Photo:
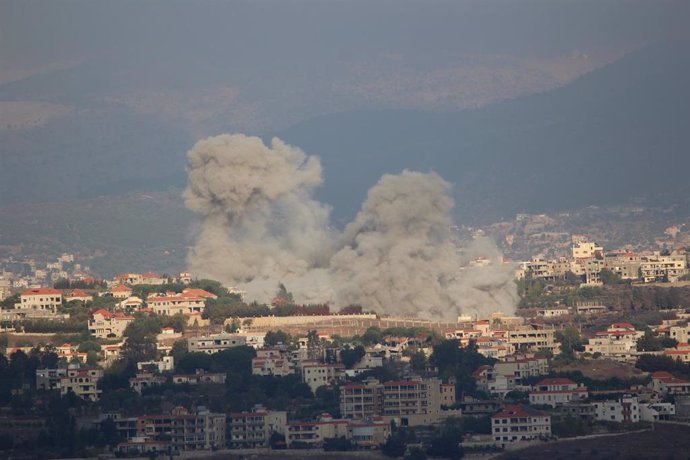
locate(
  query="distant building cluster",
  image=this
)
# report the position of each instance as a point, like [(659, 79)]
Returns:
[(588, 259)]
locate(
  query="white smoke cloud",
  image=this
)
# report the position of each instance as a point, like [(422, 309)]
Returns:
[(261, 226)]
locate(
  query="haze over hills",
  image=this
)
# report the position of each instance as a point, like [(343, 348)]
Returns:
[(616, 134), (623, 128)]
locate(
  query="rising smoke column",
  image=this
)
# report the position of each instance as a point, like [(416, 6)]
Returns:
[(401, 257), (260, 226)]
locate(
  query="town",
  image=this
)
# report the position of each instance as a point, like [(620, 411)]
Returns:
[(149, 364)]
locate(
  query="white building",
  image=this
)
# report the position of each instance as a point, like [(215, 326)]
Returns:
[(556, 391), (317, 375), (215, 343), (104, 324), (625, 410), (516, 423), (46, 300)]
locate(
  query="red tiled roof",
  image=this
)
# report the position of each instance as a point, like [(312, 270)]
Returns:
[(42, 291), (121, 288), (514, 410), (556, 381)]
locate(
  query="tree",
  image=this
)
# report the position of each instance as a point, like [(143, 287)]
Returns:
[(372, 336), (351, 356), (138, 348), (649, 342), (418, 362), (277, 441), (274, 338), (609, 277), (570, 340), (179, 349), (339, 444)]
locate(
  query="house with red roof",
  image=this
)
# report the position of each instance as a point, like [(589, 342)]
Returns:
[(78, 294), (186, 302), (518, 423), (665, 383), (556, 391), (121, 291), (44, 300), (105, 324)]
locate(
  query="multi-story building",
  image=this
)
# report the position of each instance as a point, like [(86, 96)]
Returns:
[(657, 267), (586, 249), (521, 366), (271, 361), (665, 383), (121, 291), (618, 341), (516, 423), (184, 431), (188, 301), (317, 374), (214, 343), (532, 337), (556, 391), (104, 324), (83, 382), (144, 380), (253, 429), (361, 400), (44, 300), (625, 410), (680, 352), (313, 434)]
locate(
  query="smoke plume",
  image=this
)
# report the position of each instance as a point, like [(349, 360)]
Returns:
[(261, 226)]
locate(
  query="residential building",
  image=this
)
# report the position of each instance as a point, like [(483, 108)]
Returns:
[(517, 423), (104, 324), (556, 391), (369, 433), (215, 343), (681, 352), (44, 300), (317, 374), (78, 294), (665, 383), (625, 410), (532, 337), (184, 430), (361, 400), (121, 291), (83, 382), (249, 430), (271, 361), (186, 302), (144, 380), (199, 377), (313, 434)]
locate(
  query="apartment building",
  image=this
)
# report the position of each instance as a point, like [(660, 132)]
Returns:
[(313, 434), (556, 391), (249, 430), (317, 375), (361, 400), (618, 341), (521, 366), (104, 324), (532, 337), (517, 423), (586, 249), (184, 430), (214, 343), (121, 291), (83, 382), (271, 361), (44, 300), (625, 410)]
